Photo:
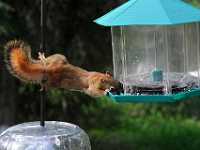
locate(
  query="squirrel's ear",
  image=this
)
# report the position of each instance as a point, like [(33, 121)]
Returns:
[(109, 73)]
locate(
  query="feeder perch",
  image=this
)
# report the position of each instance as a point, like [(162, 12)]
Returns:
[(156, 51), (54, 136)]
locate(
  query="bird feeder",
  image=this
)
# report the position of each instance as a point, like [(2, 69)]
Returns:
[(156, 50)]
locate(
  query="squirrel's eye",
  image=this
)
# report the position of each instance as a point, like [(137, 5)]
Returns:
[(103, 81)]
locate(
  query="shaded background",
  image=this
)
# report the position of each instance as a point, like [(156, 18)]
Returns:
[(71, 31)]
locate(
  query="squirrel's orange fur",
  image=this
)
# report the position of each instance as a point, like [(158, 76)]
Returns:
[(55, 71)]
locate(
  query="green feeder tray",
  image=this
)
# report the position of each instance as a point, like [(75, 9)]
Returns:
[(126, 98)]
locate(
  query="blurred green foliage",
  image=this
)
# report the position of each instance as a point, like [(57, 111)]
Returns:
[(143, 126), (111, 126), (194, 2)]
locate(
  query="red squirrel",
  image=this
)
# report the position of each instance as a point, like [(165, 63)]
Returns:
[(54, 71)]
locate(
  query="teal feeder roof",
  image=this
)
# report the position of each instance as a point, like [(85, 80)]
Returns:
[(151, 12)]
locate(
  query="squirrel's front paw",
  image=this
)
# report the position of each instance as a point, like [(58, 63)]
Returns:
[(106, 92)]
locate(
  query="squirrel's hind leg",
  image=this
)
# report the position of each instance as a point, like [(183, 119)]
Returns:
[(41, 56)]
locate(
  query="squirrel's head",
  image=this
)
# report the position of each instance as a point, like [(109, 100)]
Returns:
[(105, 81)]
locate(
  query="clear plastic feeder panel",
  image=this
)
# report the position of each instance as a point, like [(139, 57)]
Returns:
[(54, 136), (153, 60)]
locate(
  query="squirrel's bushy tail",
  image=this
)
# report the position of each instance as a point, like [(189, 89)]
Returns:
[(20, 64)]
